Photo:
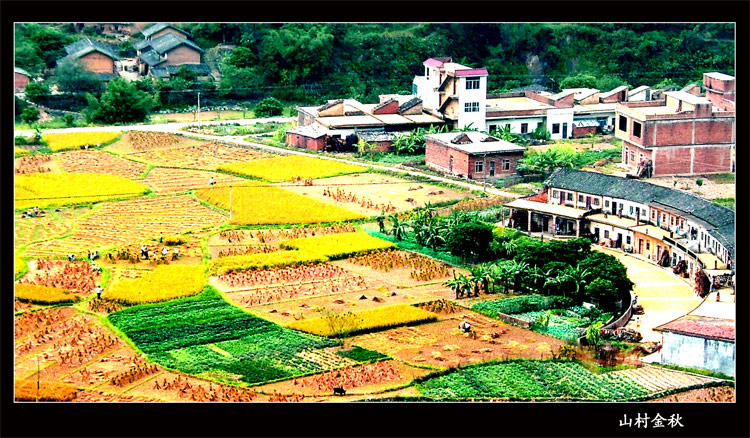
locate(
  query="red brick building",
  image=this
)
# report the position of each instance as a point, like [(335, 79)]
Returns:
[(21, 79), (165, 49), (311, 137), (94, 56), (683, 134), (472, 155)]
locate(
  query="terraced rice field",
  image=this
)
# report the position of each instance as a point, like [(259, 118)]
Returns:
[(166, 180), (205, 157), (120, 223), (53, 224), (94, 161)]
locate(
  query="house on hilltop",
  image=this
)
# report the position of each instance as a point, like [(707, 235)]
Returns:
[(94, 56), (165, 49)]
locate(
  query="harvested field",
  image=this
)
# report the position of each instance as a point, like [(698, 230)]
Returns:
[(708, 189), (52, 224), (238, 242), (145, 141), (205, 156), (442, 344), (34, 164), (369, 194), (174, 387), (720, 394), (121, 223), (75, 277), (93, 161), (165, 180)]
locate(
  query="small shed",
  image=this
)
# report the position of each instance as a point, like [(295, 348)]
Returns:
[(698, 341), (21, 79), (311, 137), (584, 127), (382, 140)]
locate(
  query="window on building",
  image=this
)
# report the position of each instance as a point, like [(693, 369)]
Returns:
[(524, 128), (471, 107), (623, 124), (596, 201), (627, 240), (606, 234), (653, 215), (555, 128), (631, 209), (472, 83), (506, 164), (493, 128), (606, 204), (637, 129), (580, 198), (672, 221), (648, 245), (478, 166), (427, 72), (554, 194), (570, 196), (632, 156)]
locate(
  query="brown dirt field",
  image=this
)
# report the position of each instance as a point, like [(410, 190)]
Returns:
[(441, 344), (139, 142), (358, 380), (239, 240), (75, 277), (135, 220), (53, 224), (397, 277), (721, 394), (708, 190), (164, 180), (97, 374), (93, 161), (175, 387), (204, 156), (35, 164), (377, 189)]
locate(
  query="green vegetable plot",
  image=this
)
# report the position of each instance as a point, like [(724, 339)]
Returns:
[(528, 379), (207, 336)]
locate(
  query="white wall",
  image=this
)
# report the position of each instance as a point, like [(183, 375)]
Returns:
[(695, 352), (515, 124), (427, 87), (560, 116), (476, 119)]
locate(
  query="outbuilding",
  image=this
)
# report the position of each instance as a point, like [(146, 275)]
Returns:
[(21, 79), (697, 341)]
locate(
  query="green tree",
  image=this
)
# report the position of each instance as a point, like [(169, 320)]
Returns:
[(470, 240), (37, 91), (70, 76), (30, 115), (50, 43), (26, 57), (600, 289), (269, 107), (123, 102), (609, 82), (578, 81), (594, 335), (398, 227)]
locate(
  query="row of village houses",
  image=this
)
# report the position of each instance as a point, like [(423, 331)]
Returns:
[(658, 223), (664, 132)]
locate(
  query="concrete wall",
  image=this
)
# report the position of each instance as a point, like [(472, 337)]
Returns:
[(98, 62), (475, 119), (515, 124), (560, 116), (183, 55), (695, 352)]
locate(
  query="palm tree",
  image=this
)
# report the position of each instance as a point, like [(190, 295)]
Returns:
[(460, 284), (434, 238), (398, 228), (578, 276)]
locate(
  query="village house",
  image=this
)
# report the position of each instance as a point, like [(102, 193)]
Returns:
[(94, 56), (472, 155), (343, 122), (454, 92), (165, 49), (21, 79), (657, 223), (683, 134)]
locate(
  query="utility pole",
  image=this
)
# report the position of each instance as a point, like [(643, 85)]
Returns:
[(230, 202), (199, 108), (37, 378)]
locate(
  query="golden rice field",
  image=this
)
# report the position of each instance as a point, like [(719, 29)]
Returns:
[(96, 161), (32, 293), (365, 320), (20, 151), (208, 156), (167, 180), (303, 251), (56, 189), (164, 283), (63, 141), (253, 205), (19, 266), (32, 390), (286, 168)]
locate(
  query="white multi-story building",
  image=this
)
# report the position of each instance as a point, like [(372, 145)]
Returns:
[(454, 92)]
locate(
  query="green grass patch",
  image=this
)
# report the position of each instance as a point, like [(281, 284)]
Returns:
[(725, 202), (721, 178), (362, 354)]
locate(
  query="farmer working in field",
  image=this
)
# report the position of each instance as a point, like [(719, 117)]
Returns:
[(99, 292), (465, 327), (164, 253), (211, 181), (161, 237), (144, 252)]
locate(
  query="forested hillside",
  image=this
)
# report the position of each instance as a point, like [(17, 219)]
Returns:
[(312, 62)]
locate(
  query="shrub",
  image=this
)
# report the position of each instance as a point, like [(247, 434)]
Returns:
[(32, 293), (268, 107), (521, 304), (63, 141), (369, 320), (166, 282), (174, 240)]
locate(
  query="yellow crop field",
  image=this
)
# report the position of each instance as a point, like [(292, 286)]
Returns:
[(46, 390), (252, 205), (32, 293), (18, 152), (164, 283), (301, 251), (336, 246), (19, 265), (286, 168), (63, 141), (55, 189), (367, 320)]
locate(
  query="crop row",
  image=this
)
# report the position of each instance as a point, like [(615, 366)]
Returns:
[(366, 320), (525, 380), (253, 205), (55, 189), (286, 168)]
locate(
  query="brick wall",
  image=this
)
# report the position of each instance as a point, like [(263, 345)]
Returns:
[(183, 55), (21, 80), (498, 160), (672, 161), (166, 31), (712, 159), (637, 150), (438, 156), (710, 132), (583, 131), (300, 141), (98, 62), (390, 108), (674, 133)]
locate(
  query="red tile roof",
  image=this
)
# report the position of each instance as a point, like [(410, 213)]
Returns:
[(432, 62), (539, 197), (472, 72), (701, 326)]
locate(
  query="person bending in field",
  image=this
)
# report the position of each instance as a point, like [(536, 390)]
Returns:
[(211, 181), (164, 253), (144, 252)]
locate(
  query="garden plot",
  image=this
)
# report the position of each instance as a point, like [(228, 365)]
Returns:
[(165, 180), (121, 223), (54, 223), (442, 344), (370, 193), (93, 161), (205, 156)]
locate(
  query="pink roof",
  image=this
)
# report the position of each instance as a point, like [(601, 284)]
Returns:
[(702, 326), (472, 72), (432, 62)]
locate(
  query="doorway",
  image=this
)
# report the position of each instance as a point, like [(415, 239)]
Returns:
[(640, 246), (450, 164), (492, 168), (614, 207)]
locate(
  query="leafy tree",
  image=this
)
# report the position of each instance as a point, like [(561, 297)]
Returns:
[(460, 284), (364, 147), (50, 43), (594, 335), (37, 91), (241, 57), (578, 81), (269, 107), (600, 289), (26, 57), (398, 228), (30, 115), (608, 267), (72, 77), (470, 239), (609, 82), (541, 133), (123, 102)]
